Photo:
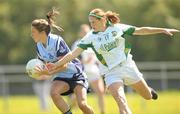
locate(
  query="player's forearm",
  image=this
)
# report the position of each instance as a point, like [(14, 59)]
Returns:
[(69, 57), (59, 69), (148, 31)]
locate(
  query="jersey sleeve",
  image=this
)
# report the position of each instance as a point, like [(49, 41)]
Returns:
[(127, 29), (62, 48), (85, 42)]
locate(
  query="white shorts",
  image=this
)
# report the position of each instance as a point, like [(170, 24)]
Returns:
[(92, 72), (126, 73)]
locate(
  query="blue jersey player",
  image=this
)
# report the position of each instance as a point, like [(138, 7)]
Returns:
[(68, 78)]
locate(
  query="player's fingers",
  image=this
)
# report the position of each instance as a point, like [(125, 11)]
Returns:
[(49, 65), (175, 30), (170, 34), (40, 67), (45, 67), (167, 32), (37, 68)]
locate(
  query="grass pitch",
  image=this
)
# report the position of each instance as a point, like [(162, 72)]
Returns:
[(168, 103)]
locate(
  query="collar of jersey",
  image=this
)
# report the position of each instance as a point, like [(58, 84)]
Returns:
[(95, 32)]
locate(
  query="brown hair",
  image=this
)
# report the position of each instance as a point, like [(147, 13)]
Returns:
[(45, 25), (113, 17)]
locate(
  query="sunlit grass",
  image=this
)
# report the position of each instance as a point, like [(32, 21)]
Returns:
[(168, 103)]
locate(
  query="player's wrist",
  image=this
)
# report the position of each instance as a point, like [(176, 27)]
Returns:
[(57, 64)]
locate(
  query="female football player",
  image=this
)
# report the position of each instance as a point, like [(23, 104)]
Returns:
[(69, 77), (107, 39)]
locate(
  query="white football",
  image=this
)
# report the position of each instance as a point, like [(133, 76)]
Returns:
[(31, 65)]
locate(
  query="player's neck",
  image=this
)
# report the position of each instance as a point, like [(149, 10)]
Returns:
[(102, 28), (44, 40)]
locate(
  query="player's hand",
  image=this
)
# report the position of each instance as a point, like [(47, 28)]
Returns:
[(41, 71), (170, 31), (50, 66)]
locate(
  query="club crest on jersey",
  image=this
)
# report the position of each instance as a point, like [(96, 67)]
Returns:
[(114, 33)]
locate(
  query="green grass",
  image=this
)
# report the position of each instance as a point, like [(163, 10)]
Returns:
[(168, 103)]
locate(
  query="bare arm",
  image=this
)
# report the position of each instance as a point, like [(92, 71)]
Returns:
[(45, 74), (68, 57), (59, 69), (153, 30)]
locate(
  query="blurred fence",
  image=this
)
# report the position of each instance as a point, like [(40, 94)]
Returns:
[(159, 75)]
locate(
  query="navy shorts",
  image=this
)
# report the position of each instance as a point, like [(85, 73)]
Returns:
[(73, 82)]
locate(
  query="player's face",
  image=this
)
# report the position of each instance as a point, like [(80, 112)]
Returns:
[(97, 24), (35, 34)]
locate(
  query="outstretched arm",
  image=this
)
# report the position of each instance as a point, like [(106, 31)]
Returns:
[(154, 30), (59, 69), (67, 58)]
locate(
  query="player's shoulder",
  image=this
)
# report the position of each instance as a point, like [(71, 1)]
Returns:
[(123, 26), (120, 25), (55, 37)]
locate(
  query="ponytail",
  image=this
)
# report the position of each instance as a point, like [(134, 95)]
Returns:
[(50, 18), (45, 25), (112, 17)]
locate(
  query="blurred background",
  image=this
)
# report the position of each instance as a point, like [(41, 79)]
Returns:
[(157, 56)]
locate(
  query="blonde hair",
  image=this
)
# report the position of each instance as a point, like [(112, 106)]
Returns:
[(113, 17), (45, 25)]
